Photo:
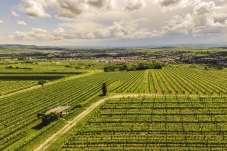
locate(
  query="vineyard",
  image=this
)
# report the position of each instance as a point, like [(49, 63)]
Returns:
[(13, 86), (20, 110), (177, 81), (172, 123), (13, 82)]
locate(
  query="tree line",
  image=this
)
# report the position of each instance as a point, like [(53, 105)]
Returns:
[(142, 65)]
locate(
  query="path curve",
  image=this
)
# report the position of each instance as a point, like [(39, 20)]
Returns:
[(72, 123)]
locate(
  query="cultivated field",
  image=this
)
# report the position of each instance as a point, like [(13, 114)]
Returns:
[(172, 123), (19, 111)]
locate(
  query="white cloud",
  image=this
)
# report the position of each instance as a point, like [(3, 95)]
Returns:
[(34, 8), (208, 30), (208, 19), (1, 21), (34, 34), (74, 8), (10, 37), (135, 5), (125, 29), (205, 8), (167, 5), (219, 17), (69, 8), (205, 20), (177, 25), (14, 14), (102, 4), (122, 29), (21, 23)]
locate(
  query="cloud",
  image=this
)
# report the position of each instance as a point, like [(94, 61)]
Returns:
[(69, 8), (14, 14), (219, 17), (168, 5), (208, 19), (122, 29), (1, 21), (10, 37), (74, 8), (205, 19), (135, 5), (102, 4), (209, 30), (34, 34), (177, 25), (205, 8), (34, 8), (21, 23)]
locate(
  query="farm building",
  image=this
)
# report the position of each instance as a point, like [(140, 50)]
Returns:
[(53, 114)]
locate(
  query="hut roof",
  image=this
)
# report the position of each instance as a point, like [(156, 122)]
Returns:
[(57, 109)]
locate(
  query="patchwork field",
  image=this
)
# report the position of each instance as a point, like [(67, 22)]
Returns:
[(200, 115)]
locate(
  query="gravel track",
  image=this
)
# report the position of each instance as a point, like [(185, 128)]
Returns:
[(73, 123)]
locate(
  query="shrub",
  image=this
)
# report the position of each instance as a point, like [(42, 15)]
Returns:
[(41, 82)]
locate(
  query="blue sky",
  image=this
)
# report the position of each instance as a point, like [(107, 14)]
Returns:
[(113, 22)]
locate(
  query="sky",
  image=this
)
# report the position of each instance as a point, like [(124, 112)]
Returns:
[(113, 22)]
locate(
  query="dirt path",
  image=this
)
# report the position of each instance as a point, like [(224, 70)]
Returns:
[(69, 125), (72, 123)]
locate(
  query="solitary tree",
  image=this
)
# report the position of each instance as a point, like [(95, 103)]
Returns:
[(41, 82), (104, 89)]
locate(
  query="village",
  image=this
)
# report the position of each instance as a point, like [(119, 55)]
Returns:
[(123, 55)]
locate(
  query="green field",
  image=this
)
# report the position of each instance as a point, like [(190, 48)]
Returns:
[(167, 123), (49, 65), (10, 86), (19, 111), (15, 81)]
